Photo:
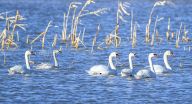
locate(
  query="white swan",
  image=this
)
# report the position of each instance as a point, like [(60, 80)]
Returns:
[(160, 69), (146, 73), (104, 70), (19, 69), (46, 66), (128, 72)]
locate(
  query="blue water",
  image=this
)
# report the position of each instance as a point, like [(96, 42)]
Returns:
[(70, 83)]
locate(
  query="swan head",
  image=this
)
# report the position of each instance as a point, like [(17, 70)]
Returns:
[(132, 55), (114, 54), (57, 51), (29, 52), (152, 55), (169, 53)]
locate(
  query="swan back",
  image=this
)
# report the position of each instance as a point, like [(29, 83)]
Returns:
[(128, 72), (144, 73), (44, 66), (98, 70), (159, 69), (17, 69)]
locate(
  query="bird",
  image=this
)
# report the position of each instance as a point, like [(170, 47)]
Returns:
[(103, 70), (145, 72), (129, 71), (46, 66), (159, 69), (20, 69)]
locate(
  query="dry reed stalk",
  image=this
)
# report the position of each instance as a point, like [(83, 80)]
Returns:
[(117, 26), (3, 38), (117, 43), (134, 40), (168, 30), (7, 23), (108, 40), (157, 35), (177, 40), (27, 40), (131, 33), (178, 36), (185, 37), (147, 37), (15, 24), (154, 32), (10, 42), (43, 34), (95, 38), (172, 35), (158, 3), (76, 20), (54, 41), (72, 26), (17, 36), (65, 23), (80, 14), (77, 40), (64, 29)]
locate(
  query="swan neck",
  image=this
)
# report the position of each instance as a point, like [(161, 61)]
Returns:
[(130, 62), (165, 57), (27, 61), (55, 59), (151, 64), (112, 66)]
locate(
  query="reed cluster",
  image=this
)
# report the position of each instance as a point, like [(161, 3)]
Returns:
[(12, 23), (72, 34)]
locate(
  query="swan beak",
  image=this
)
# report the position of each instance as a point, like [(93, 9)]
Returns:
[(60, 51), (136, 56), (172, 54), (117, 55), (155, 55), (33, 53)]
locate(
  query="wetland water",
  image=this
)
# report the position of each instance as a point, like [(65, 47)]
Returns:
[(70, 83)]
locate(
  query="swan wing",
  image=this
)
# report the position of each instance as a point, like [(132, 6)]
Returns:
[(144, 73), (126, 72), (17, 69), (44, 66), (159, 69), (98, 70)]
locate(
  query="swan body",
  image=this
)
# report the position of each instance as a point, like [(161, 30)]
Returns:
[(146, 73), (128, 72), (19, 69), (99, 70), (46, 66), (16, 69), (102, 70), (159, 69)]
